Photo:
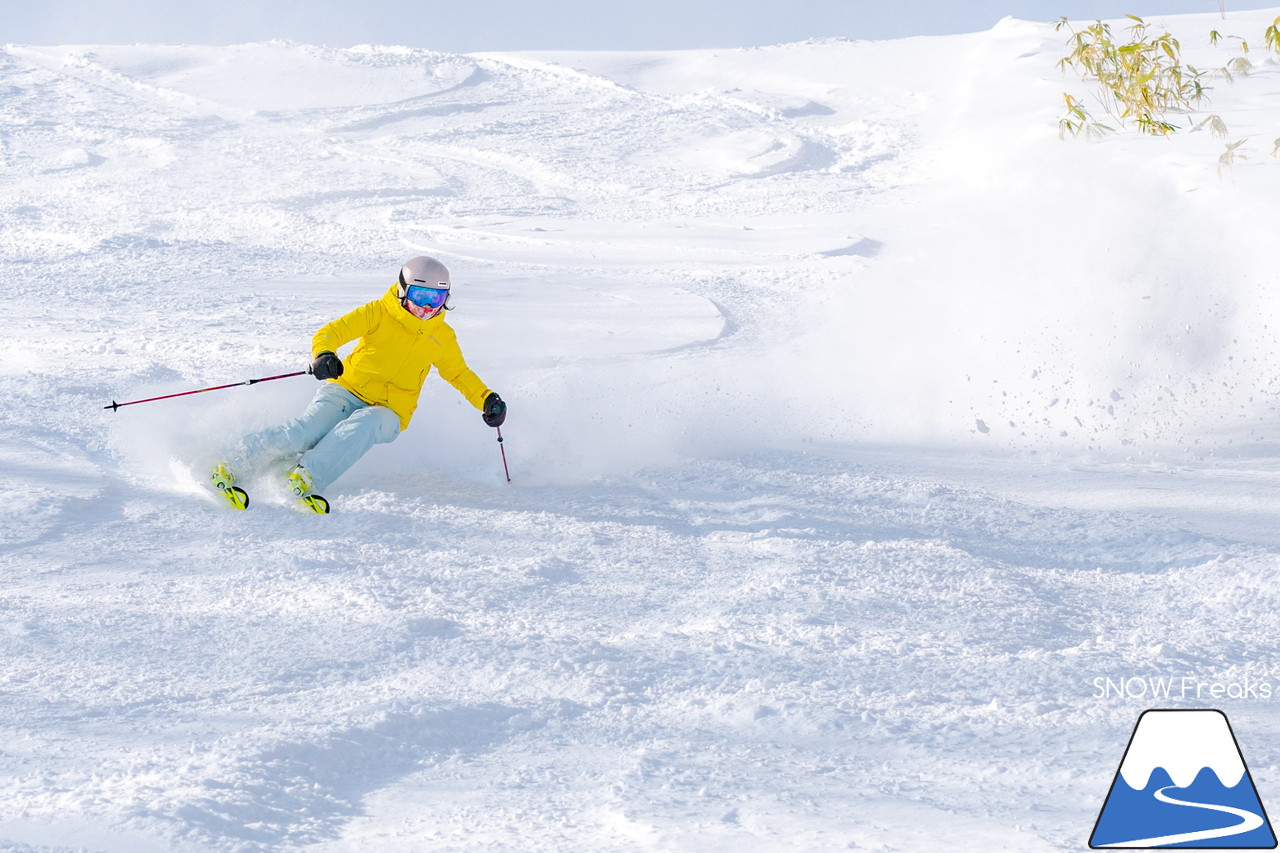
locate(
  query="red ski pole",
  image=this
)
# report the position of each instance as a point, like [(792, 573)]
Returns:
[(114, 405), (502, 448)]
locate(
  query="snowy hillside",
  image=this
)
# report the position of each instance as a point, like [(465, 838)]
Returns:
[(859, 428)]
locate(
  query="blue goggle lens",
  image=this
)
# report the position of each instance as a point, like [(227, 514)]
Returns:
[(426, 297)]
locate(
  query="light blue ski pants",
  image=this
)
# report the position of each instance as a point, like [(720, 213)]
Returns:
[(336, 429)]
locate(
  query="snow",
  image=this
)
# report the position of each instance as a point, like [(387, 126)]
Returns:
[(860, 429)]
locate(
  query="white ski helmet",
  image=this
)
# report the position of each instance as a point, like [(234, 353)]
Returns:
[(424, 288)]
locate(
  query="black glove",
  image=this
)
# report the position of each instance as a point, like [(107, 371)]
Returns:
[(326, 366), (495, 411)]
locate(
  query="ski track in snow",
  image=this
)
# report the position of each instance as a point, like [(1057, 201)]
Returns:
[(858, 425)]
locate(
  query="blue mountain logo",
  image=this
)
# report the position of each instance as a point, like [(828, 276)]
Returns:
[(1183, 783)]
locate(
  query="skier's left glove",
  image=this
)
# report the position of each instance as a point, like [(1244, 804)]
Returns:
[(495, 411)]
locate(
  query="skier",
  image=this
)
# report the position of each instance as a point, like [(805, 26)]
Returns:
[(369, 399)]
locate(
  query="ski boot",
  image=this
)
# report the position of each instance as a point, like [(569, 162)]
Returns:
[(224, 479), (299, 483)]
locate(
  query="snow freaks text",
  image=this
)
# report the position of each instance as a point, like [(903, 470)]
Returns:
[(1181, 687)]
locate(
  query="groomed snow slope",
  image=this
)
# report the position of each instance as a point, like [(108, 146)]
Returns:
[(858, 425)]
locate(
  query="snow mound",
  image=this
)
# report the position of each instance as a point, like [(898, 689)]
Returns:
[(270, 77)]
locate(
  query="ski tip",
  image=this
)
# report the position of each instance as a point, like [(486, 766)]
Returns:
[(314, 503), (237, 498)]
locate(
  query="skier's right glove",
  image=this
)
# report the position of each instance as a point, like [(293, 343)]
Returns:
[(495, 411), (326, 366)]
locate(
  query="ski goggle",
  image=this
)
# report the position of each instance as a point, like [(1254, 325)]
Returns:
[(426, 297)]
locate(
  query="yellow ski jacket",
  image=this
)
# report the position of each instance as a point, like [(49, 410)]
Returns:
[(395, 354)]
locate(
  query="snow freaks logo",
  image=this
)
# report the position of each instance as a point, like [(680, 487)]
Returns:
[(1183, 783)]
